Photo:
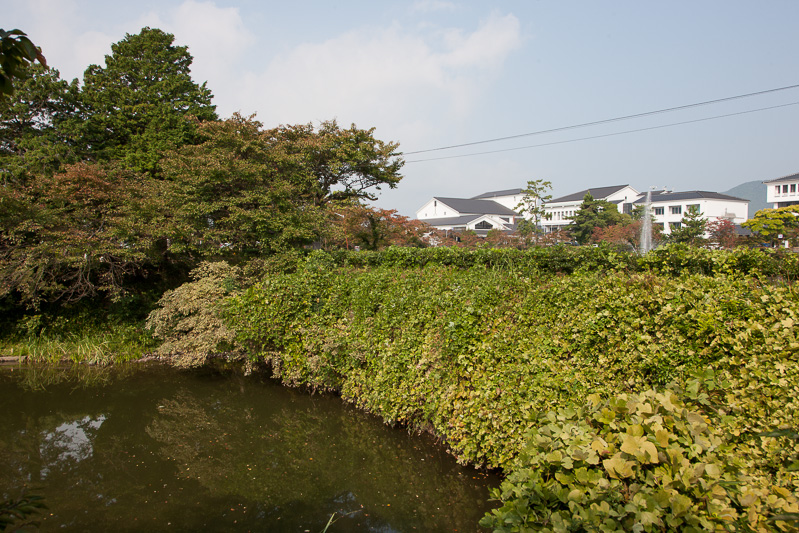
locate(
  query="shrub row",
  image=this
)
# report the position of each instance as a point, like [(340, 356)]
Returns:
[(674, 259), (480, 355)]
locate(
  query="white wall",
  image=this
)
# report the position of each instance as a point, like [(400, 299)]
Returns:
[(435, 209), (711, 209), (789, 192)]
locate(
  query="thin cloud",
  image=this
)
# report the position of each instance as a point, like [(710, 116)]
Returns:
[(429, 6), (390, 75), (216, 37)]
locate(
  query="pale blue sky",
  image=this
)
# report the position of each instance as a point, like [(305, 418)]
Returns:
[(437, 73)]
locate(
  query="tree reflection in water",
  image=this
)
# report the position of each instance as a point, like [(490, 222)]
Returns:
[(203, 450)]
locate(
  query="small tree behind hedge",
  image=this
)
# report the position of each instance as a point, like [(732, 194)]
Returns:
[(188, 320)]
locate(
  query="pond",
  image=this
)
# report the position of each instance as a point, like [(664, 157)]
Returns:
[(158, 449)]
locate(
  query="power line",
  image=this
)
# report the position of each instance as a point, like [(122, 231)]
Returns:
[(604, 135), (607, 121)]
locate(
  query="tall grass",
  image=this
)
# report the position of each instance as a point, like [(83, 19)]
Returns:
[(93, 344)]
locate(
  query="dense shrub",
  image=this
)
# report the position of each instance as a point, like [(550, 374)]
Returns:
[(471, 353), (188, 321), (642, 462), (671, 260), (475, 346)]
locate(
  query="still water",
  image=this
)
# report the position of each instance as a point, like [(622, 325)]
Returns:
[(157, 449)]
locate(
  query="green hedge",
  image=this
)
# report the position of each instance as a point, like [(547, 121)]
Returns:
[(673, 260), (478, 346)]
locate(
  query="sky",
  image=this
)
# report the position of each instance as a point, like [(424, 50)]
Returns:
[(430, 74)]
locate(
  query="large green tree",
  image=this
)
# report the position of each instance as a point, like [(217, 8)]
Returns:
[(595, 214), (141, 102), (233, 192)]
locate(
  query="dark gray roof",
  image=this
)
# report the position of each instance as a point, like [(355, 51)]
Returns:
[(688, 195), (599, 193), (494, 194), (450, 221), (457, 221), (476, 207), (792, 177)]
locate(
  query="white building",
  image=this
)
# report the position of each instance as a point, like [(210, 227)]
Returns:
[(782, 192), (495, 210), (669, 208), (476, 214), (560, 210)]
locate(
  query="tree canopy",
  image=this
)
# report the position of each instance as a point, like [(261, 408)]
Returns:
[(371, 228), (595, 214), (140, 103), (37, 125), (341, 164), (133, 177), (771, 223)]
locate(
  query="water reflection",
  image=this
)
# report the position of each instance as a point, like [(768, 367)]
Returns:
[(162, 449), (71, 441)]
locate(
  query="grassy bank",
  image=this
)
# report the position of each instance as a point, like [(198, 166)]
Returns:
[(81, 335)]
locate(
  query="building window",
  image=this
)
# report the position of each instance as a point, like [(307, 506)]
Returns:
[(483, 225), (784, 189), (693, 208), (675, 225), (435, 203), (793, 188), (658, 225), (660, 210), (777, 189), (675, 209)]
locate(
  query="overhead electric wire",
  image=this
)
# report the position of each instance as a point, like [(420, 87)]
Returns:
[(603, 135), (606, 121)]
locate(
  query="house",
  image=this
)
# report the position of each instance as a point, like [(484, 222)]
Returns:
[(669, 208), (560, 210), (478, 214), (782, 192)]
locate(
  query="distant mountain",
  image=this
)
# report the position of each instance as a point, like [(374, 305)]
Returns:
[(754, 191)]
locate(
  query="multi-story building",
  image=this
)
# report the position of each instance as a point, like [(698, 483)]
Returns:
[(782, 192), (560, 210), (668, 208)]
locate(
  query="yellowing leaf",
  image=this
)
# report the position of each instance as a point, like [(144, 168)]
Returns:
[(650, 452), (617, 467)]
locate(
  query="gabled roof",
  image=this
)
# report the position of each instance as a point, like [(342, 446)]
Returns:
[(450, 221), (476, 207), (459, 221), (792, 177), (494, 194), (599, 193), (689, 195)]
